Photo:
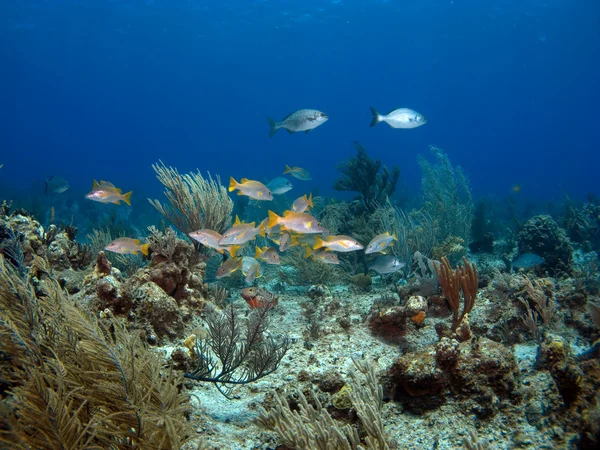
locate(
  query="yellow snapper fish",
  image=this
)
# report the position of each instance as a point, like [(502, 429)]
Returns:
[(127, 246), (298, 172), (210, 239), (241, 232), (105, 192), (285, 242), (267, 254), (380, 242), (250, 268), (228, 267), (322, 255), (295, 221), (301, 204), (250, 188), (339, 243)]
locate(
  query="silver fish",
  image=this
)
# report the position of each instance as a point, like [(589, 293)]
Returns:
[(279, 185), (301, 120), (386, 264), (55, 185), (399, 118)]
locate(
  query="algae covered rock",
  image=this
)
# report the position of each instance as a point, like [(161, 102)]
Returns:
[(542, 236)]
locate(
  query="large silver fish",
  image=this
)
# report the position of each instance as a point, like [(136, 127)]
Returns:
[(301, 120), (399, 118)]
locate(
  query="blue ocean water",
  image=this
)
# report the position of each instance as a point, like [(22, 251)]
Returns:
[(95, 89)]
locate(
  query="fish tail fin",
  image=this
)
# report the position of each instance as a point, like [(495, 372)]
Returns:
[(288, 169), (310, 200), (307, 252), (294, 241), (376, 116), (232, 184), (258, 252), (319, 243), (233, 250), (127, 198), (261, 229), (145, 249), (274, 127), (273, 219)]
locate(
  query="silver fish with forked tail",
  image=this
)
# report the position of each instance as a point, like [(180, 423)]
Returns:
[(301, 120), (399, 118)]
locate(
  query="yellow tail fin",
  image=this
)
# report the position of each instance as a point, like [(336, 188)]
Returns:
[(308, 252), (273, 219), (294, 241), (261, 229), (145, 249), (288, 169), (127, 198), (233, 250), (232, 184), (319, 243), (258, 252)]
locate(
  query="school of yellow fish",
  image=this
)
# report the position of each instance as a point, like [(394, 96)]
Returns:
[(296, 227)]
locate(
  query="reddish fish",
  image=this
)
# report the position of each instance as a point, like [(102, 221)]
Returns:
[(259, 298)]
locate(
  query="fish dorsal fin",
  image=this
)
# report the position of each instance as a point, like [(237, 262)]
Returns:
[(245, 180), (310, 200), (252, 224), (106, 183), (118, 191), (95, 184), (287, 213), (237, 221), (137, 241)]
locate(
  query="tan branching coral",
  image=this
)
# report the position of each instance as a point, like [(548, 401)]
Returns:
[(195, 202), (74, 382)]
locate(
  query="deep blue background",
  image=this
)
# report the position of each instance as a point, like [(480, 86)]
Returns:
[(104, 88)]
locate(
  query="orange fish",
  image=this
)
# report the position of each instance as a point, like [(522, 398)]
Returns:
[(259, 298)]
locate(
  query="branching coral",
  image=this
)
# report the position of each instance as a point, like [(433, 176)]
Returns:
[(362, 174), (447, 196), (231, 356), (73, 382), (462, 279), (195, 202), (312, 427)]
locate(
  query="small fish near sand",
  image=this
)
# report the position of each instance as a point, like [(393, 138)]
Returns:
[(55, 185), (105, 192), (279, 185), (127, 246), (259, 298), (250, 188), (386, 264), (298, 172), (399, 118), (527, 261), (301, 120)]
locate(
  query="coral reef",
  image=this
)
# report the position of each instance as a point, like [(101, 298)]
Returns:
[(542, 236), (160, 298)]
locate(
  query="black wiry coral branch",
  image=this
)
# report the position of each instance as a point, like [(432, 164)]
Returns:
[(230, 355)]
